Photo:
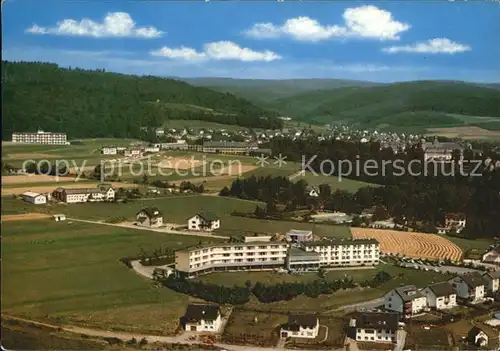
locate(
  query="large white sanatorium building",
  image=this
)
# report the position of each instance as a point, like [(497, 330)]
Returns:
[(40, 137), (260, 253)]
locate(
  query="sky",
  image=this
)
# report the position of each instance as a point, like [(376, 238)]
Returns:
[(382, 41)]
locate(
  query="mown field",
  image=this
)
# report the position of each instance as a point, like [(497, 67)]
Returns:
[(70, 273), (335, 182), (177, 210)]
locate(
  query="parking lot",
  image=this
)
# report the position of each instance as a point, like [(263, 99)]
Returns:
[(434, 266)]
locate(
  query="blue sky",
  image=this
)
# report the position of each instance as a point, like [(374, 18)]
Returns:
[(378, 41)]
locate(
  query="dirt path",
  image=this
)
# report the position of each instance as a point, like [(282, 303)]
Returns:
[(127, 336), (25, 217), (157, 230), (49, 188)]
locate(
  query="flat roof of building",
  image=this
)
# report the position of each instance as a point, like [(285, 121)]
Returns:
[(335, 242)]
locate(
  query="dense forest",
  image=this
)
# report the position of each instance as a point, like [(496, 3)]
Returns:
[(421, 198), (85, 103)]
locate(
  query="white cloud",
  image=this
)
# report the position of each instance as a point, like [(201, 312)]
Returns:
[(431, 46), (115, 24), (359, 22), (220, 50)]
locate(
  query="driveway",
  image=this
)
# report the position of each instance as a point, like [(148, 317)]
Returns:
[(366, 305), (400, 340)]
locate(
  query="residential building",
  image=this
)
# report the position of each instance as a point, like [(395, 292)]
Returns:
[(440, 151), (406, 300), (492, 278), (470, 286), (34, 198), (229, 147), (305, 325), (300, 260), (230, 256), (152, 148), (492, 255), (477, 337), (440, 296), (102, 192), (378, 327), (202, 318), (150, 217), (204, 221), (313, 192), (298, 236), (109, 150), (40, 137), (454, 222), (383, 224), (338, 253), (133, 153)]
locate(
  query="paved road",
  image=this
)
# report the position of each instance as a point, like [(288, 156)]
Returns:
[(150, 338), (158, 230), (401, 340), (358, 306)]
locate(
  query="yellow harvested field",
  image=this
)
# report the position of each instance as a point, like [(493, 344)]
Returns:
[(25, 217), (34, 178), (49, 188), (31, 156), (411, 244)]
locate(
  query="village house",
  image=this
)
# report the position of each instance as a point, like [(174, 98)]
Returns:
[(298, 236), (204, 221), (493, 280), (440, 296), (406, 300), (477, 337), (150, 217), (470, 286), (202, 318), (378, 327), (313, 192), (34, 198), (133, 152), (109, 150), (152, 148), (102, 192), (492, 255), (304, 325), (59, 217), (453, 222)]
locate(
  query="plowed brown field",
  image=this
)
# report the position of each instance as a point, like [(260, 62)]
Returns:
[(25, 217), (411, 244)]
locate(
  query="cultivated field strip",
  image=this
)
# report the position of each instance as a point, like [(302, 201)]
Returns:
[(410, 244)]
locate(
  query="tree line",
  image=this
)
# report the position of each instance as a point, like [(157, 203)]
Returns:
[(84, 103), (267, 293)]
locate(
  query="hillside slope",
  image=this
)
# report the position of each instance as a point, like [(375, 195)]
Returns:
[(263, 91), (397, 104), (100, 104)]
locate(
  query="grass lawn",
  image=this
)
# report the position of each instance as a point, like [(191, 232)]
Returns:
[(432, 339), (465, 244), (325, 303), (258, 328), (349, 185), (177, 209), (70, 273)]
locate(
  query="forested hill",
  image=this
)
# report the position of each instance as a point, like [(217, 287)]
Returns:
[(399, 104), (100, 104)]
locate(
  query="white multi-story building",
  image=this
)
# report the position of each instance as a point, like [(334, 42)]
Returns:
[(133, 153), (470, 286), (345, 252), (406, 300), (492, 255), (103, 192), (304, 325), (204, 221), (253, 255), (380, 327), (440, 296), (34, 198), (202, 318), (40, 137), (109, 150), (493, 280)]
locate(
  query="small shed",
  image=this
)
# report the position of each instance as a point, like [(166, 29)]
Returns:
[(59, 217), (477, 337)]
